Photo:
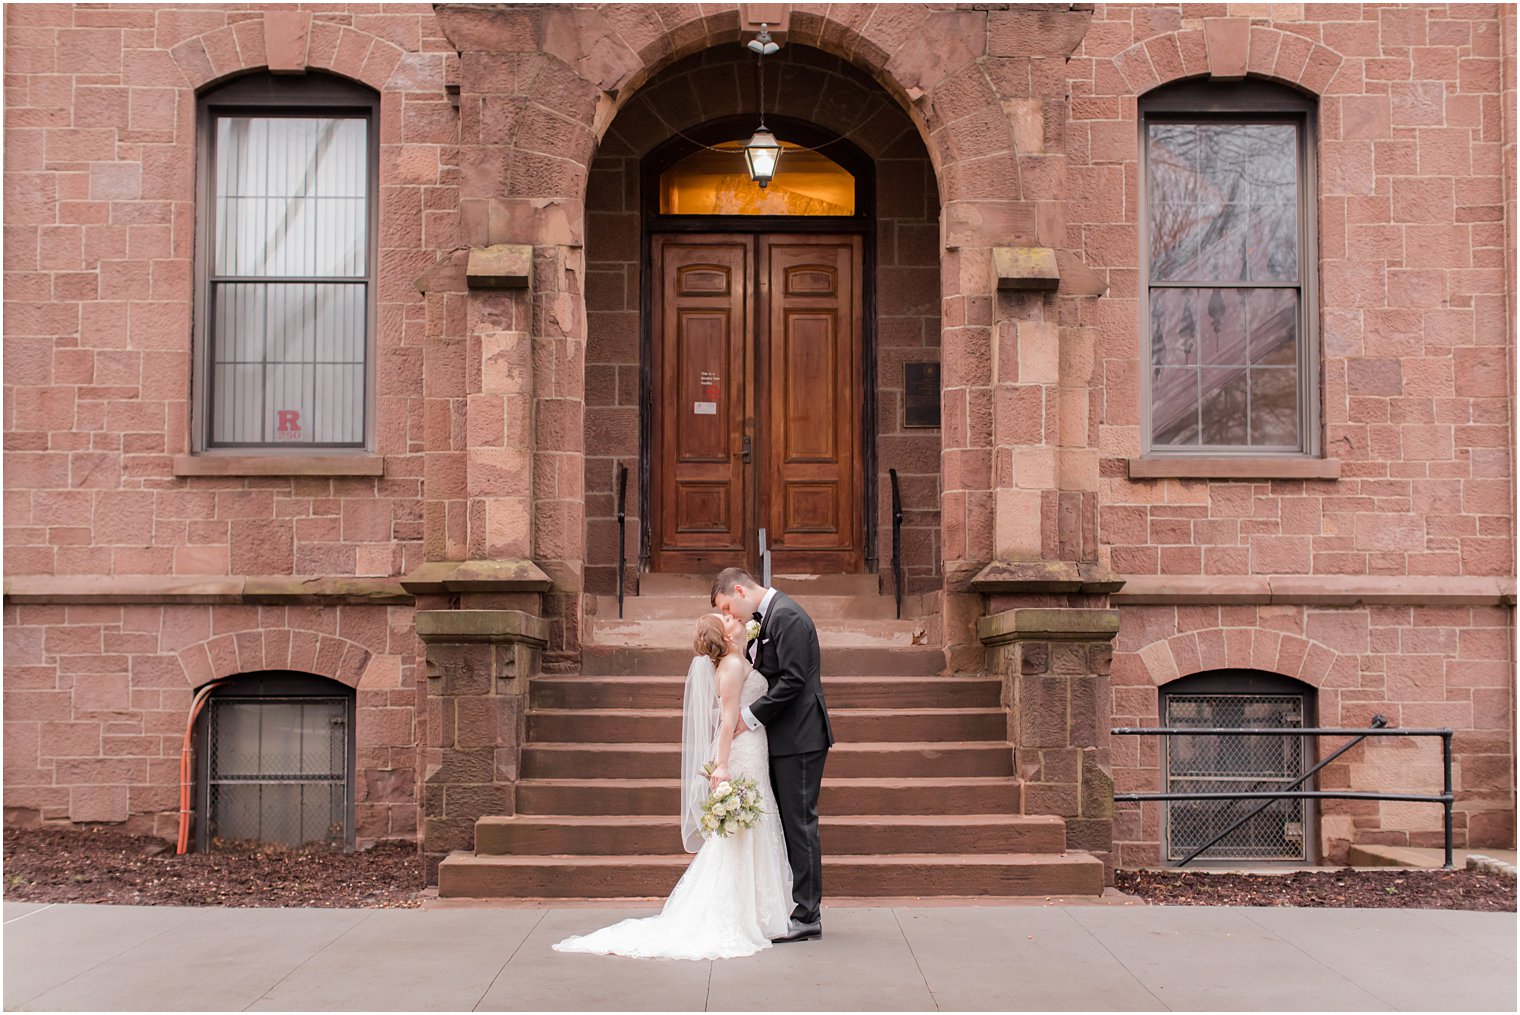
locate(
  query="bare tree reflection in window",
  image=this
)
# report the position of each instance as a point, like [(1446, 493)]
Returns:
[(1223, 214)]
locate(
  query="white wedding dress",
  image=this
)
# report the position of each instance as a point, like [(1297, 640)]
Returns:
[(737, 893)]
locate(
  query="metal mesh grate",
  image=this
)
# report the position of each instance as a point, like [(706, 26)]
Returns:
[(278, 770), (1213, 764)]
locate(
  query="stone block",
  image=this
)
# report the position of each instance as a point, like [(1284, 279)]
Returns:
[(455, 670), (98, 803), (1026, 268), (1228, 41), (286, 35), (500, 266)]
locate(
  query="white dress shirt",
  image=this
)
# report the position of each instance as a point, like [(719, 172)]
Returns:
[(765, 605)]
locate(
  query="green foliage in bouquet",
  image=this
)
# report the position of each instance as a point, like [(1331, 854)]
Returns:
[(733, 805)]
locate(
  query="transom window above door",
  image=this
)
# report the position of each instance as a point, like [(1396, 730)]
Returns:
[(709, 182)]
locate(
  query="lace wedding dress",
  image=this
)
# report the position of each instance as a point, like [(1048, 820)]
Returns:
[(737, 893)]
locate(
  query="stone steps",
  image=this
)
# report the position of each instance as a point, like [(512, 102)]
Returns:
[(931, 759), (959, 795), (602, 660), (842, 834), (924, 875), (920, 799), (836, 633), (852, 725), (689, 607), (840, 691)]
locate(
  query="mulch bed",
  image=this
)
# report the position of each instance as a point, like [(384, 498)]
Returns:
[(1350, 888), (105, 865)]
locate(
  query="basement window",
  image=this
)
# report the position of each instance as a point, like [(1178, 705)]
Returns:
[(276, 763), (1219, 764)]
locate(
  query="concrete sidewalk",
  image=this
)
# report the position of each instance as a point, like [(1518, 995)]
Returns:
[(900, 958)]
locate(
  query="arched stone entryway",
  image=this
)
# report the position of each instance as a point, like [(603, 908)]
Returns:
[(842, 108), (539, 89)]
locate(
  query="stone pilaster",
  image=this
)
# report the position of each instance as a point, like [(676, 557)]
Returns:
[(1054, 663), (478, 665)]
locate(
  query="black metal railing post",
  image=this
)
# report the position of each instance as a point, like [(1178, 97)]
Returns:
[(622, 519), (1446, 791), (897, 518)]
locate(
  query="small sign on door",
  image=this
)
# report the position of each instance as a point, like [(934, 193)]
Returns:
[(704, 408)]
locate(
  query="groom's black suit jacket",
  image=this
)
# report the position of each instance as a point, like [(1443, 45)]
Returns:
[(793, 712)]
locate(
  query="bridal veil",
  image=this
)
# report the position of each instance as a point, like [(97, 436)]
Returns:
[(699, 725)]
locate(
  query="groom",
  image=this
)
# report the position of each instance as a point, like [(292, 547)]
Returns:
[(796, 722)]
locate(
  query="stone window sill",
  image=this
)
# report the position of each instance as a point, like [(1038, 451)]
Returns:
[(1223, 467), (279, 465)]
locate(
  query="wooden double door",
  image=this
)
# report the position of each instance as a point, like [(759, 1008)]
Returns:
[(757, 396)]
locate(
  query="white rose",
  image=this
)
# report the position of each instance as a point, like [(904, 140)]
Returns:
[(710, 823), (752, 629), (751, 798), (724, 789), (719, 810)]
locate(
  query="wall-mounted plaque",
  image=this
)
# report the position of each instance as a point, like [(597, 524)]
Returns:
[(920, 394)]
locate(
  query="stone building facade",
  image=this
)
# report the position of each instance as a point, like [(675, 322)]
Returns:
[(466, 542)]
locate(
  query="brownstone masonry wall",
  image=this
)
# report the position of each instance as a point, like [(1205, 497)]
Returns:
[(97, 697), (102, 495), (1417, 666)]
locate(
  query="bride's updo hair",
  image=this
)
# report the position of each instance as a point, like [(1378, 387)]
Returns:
[(711, 640)]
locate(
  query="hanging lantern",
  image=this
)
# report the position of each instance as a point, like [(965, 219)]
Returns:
[(762, 152)]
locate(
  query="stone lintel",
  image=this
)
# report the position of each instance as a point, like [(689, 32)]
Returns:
[(1026, 268), (500, 266), (212, 590), (439, 576), (1044, 576), (455, 626), (1316, 590), (292, 463), (1048, 624)]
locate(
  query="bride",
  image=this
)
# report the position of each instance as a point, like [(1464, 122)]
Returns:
[(737, 893)]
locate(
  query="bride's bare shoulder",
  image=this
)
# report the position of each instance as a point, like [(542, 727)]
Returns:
[(731, 671)]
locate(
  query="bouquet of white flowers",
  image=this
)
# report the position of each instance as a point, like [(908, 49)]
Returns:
[(733, 805)]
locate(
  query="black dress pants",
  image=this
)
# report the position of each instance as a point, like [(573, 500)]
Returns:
[(796, 780)]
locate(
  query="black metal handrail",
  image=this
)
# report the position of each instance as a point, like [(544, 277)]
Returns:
[(1378, 729), (622, 519), (897, 518)]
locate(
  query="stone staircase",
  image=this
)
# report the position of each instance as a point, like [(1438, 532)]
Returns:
[(919, 797)]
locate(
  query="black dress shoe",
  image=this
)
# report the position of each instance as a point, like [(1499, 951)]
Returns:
[(797, 931)]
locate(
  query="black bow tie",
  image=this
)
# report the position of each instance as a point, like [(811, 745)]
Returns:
[(758, 618)]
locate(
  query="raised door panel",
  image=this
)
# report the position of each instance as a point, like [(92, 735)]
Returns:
[(699, 394), (811, 402)]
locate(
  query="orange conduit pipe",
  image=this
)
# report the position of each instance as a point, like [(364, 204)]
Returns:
[(196, 704)]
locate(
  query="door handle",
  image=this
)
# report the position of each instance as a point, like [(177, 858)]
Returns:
[(744, 449)]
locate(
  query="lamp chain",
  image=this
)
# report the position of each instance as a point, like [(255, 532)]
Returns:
[(760, 74)]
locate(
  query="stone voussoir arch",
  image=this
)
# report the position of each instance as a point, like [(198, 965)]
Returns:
[(219, 54), (1216, 648), (274, 648), (1228, 48), (592, 60)]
